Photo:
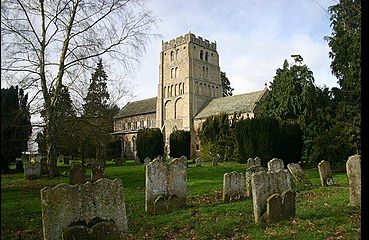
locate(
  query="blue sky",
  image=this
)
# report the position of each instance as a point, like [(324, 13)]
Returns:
[(253, 39)]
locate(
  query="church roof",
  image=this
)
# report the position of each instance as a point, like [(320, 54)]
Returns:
[(140, 107), (238, 103)]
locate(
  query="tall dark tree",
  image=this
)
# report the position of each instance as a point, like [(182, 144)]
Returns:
[(226, 85), (16, 126), (98, 114), (66, 142), (345, 44), (295, 98), (97, 96)]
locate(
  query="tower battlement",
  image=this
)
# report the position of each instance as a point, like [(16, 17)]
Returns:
[(189, 37)]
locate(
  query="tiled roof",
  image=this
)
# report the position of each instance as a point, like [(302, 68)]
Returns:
[(239, 103), (140, 107)]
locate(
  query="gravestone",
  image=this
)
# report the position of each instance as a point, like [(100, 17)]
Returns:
[(325, 173), (298, 174), (19, 165), (198, 162), (280, 206), (233, 186), (61, 158), (147, 161), (106, 230), (66, 160), (215, 161), (65, 204), (77, 174), (44, 168), (166, 185), (353, 169), (275, 165), (97, 171), (264, 185), (253, 166), (32, 170)]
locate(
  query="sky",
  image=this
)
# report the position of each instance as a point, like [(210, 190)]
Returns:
[(253, 39)]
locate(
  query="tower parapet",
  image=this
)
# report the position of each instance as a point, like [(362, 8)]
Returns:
[(189, 37)]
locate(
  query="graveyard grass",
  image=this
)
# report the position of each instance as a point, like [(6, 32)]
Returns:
[(321, 212)]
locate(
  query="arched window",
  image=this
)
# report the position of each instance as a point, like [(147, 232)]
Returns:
[(165, 91), (209, 90), (177, 53), (213, 91), (171, 90), (175, 90), (171, 72), (203, 72), (171, 56), (168, 92), (180, 89), (206, 56), (176, 72), (201, 53)]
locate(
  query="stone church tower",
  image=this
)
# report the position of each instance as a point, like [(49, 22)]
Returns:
[(189, 78)]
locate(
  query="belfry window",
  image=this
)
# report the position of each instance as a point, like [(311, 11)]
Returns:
[(206, 56), (171, 56), (201, 55)]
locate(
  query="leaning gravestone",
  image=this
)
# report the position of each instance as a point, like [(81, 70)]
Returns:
[(66, 204), (275, 165), (32, 170), (198, 162), (298, 174), (325, 173), (166, 185), (264, 185), (253, 166), (77, 174), (233, 186), (97, 171), (353, 169)]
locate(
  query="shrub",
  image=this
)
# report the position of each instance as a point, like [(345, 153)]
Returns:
[(180, 144), (268, 138), (150, 143)]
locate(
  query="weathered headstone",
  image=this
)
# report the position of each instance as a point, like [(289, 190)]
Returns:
[(275, 165), (198, 162), (280, 206), (353, 169), (147, 161), (233, 186), (325, 173), (77, 174), (97, 171), (166, 185), (215, 161), (265, 184), (65, 204), (298, 174), (253, 166), (32, 170)]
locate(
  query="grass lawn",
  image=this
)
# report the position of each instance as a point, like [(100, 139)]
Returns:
[(321, 212)]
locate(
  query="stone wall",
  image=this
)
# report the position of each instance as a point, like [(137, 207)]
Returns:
[(65, 204), (166, 185)]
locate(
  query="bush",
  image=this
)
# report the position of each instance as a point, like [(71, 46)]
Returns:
[(217, 138), (180, 144), (150, 143), (268, 138)]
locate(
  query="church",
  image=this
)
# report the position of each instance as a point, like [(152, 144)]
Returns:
[(189, 91)]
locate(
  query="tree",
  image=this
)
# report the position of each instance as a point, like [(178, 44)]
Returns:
[(16, 126), (226, 85), (46, 43), (180, 143), (150, 143), (345, 44), (98, 113), (296, 99)]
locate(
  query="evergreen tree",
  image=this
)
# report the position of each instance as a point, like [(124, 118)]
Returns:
[(16, 126), (226, 85), (345, 44), (97, 96), (98, 116)]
